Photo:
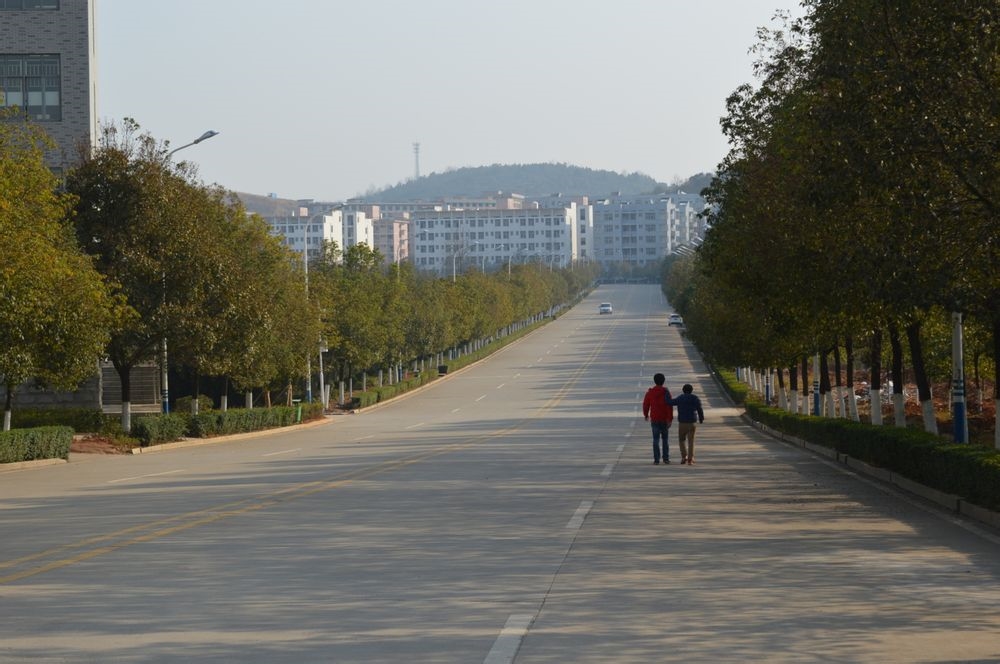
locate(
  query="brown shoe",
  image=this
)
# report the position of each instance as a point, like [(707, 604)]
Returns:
[(691, 461)]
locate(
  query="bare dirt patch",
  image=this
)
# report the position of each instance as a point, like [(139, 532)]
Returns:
[(94, 444)]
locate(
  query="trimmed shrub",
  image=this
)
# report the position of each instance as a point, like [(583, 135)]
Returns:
[(963, 470), (82, 420), (156, 429), (36, 443), (242, 420), (736, 390), (183, 405)]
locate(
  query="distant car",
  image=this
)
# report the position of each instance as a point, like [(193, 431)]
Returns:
[(605, 308), (675, 319)]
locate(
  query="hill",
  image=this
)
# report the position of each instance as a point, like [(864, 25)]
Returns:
[(532, 180)]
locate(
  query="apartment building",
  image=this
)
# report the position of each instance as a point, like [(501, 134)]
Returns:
[(391, 229), (308, 228), (449, 241), (48, 70), (641, 230)]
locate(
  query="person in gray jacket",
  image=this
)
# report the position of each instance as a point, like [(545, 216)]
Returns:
[(688, 413)]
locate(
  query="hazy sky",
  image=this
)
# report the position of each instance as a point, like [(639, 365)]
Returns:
[(324, 98)]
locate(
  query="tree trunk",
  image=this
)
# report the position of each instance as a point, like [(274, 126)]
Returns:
[(793, 388), (8, 407), (805, 385), (852, 401), (898, 398), (224, 399), (248, 403), (825, 395), (197, 393), (838, 377), (875, 386), (125, 377), (782, 396), (996, 375), (920, 375)]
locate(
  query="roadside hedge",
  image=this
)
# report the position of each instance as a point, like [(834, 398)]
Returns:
[(161, 428), (81, 420), (969, 471), (36, 443), (242, 420)]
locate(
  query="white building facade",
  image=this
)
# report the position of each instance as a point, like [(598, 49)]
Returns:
[(450, 241), (641, 230), (305, 231)]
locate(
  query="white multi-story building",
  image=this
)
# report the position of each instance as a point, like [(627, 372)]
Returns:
[(448, 241), (391, 230), (640, 230), (308, 231)]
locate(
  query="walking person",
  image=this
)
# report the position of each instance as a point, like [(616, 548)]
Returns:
[(688, 413), (659, 413)]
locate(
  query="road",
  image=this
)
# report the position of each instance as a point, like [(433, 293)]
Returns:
[(508, 513)]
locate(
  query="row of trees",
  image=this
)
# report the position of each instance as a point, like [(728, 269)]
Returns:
[(135, 256), (858, 200)]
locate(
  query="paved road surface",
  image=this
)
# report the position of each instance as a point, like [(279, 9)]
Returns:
[(508, 513)]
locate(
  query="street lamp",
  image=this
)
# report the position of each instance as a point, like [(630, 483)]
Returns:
[(166, 387), (204, 137)]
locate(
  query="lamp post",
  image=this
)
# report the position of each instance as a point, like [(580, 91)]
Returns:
[(304, 215), (960, 423), (166, 386)]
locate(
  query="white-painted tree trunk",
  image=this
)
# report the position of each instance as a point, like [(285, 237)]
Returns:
[(853, 405), (782, 399), (6, 420), (831, 404), (876, 403), (899, 409), (224, 402), (194, 406), (930, 420), (126, 416), (249, 399)]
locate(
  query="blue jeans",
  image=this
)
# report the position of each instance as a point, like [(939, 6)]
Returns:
[(660, 430)]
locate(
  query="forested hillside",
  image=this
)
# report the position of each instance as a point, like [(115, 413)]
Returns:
[(532, 180)]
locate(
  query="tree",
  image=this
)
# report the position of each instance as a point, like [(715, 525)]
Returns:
[(55, 309), (138, 216)]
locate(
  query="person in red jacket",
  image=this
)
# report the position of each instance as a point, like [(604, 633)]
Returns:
[(659, 413)]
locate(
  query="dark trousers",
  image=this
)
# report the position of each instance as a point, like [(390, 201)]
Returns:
[(661, 444)]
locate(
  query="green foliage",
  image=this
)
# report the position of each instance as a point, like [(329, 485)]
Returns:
[(736, 390), (183, 404), (51, 442), (50, 295), (964, 470), (81, 420), (859, 192), (532, 180), (242, 420), (157, 429)]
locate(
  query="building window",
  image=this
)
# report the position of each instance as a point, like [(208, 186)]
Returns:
[(29, 4), (31, 82)]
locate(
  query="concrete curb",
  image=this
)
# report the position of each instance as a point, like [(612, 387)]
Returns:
[(950, 502), (195, 442), (24, 465)]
